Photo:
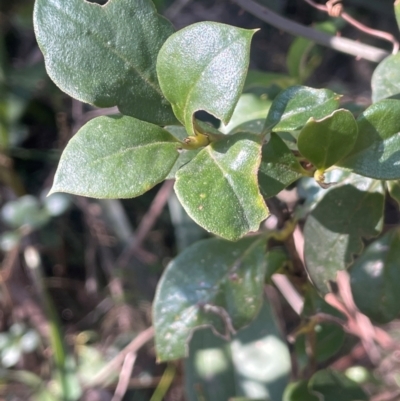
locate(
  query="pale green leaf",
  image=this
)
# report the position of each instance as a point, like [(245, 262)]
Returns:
[(115, 157), (386, 78), (203, 67), (219, 188), (293, 107)]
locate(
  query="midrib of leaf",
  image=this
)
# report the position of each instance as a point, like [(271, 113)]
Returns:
[(113, 50), (196, 81), (225, 175)]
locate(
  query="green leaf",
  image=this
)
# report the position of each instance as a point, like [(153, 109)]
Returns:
[(293, 107), (250, 107), (304, 56), (377, 274), (334, 230), (386, 78), (207, 282), (203, 67), (278, 168), (115, 157), (324, 142), (394, 190), (106, 55), (276, 259), (330, 385), (256, 79), (298, 391), (329, 337), (255, 364), (375, 153), (219, 189)]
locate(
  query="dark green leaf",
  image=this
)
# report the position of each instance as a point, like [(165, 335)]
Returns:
[(330, 385), (375, 278), (329, 336), (386, 78), (206, 283), (334, 230), (276, 259), (255, 364), (203, 67), (394, 190), (106, 55), (377, 149), (115, 157), (219, 188), (298, 391), (293, 107), (278, 168), (324, 142)]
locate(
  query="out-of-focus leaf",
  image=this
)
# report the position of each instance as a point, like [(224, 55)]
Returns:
[(249, 107), (329, 336), (386, 78), (115, 157), (106, 55), (208, 281), (293, 107), (377, 148), (25, 211), (334, 230), (254, 365), (219, 188), (203, 67), (330, 385), (375, 278), (298, 391)]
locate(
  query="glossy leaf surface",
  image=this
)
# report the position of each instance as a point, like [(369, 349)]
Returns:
[(293, 107), (203, 67), (278, 168), (324, 142), (334, 230), (377, 274), (106, 55), (376, 152), (219, 188), (207, 282), (386, 78), (330, 385), (115, 157), (254, 364)]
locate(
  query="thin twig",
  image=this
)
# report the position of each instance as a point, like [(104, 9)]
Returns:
[(147, 223), (124, 376), (352, 21), (138, 342), (343, 45)]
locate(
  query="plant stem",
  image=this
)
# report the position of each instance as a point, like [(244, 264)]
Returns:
[(343, 45)]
